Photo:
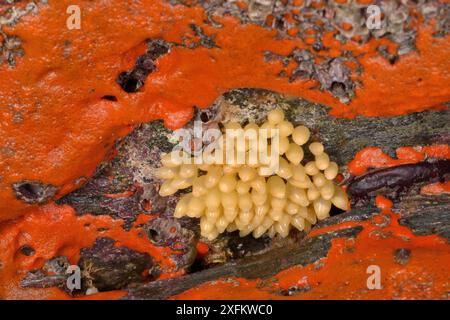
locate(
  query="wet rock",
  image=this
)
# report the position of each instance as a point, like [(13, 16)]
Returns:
[(108, 267), (34, 192)]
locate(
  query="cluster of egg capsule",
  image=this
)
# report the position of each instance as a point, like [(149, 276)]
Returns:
[(241, 197)]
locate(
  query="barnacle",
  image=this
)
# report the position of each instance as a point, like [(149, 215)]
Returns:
[(255, 196)]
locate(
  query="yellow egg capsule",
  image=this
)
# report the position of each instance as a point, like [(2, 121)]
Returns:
[(294, 154), (246, 216), (283, 145), (167, 189), (327, 190), (251, 126), (182, 206), (259, 185), (166, 161), (283, 226), (213, 214), (275, 116), (301, 184), (227, 183), (319, 180), (196, 207), (245, 202), (247, 173), (242, 187), (301, 135), (322, 161), (212, 235), (166, 173), (267, 131), (340, 199), (180, 184), (221, 224), (204, 166), (285, 128), (278, 203), (188, 170), (313, 193), (331, 171), (277, 187), (206, 225), (262, 210), (258, 198), (231, 227), (316, 148), (311, 168), (292, 208), (275, 215), (212, 178), (213, 198), (322, 208), (227, 169), (198, 187), (230, 213), (298, 172), (256, 221), (284, 169), (298, 196), (245, 232), (311, 216), (230, 199), (298, 222)]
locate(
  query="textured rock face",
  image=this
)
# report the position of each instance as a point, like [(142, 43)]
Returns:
[(79, 144)]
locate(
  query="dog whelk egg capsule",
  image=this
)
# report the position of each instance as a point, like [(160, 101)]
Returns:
[(283, 145), (294, 153), (277, 187), (322, 161), (198, 186), (331, 171), (247, 174), (188, 170), (259, 196), (166, 173), (285, 128), (227, 183), (275, 116), (167, 189), (242, 187), (316, 148), (245, 202), (301, 135), (311, 168)]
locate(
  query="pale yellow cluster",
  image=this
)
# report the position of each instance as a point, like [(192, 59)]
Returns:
[(229, 197)]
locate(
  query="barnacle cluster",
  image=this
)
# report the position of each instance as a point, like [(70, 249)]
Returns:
[(259, 195)]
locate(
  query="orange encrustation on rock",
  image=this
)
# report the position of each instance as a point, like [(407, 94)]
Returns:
[(343, 273), (56, 128), (54, 231)]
